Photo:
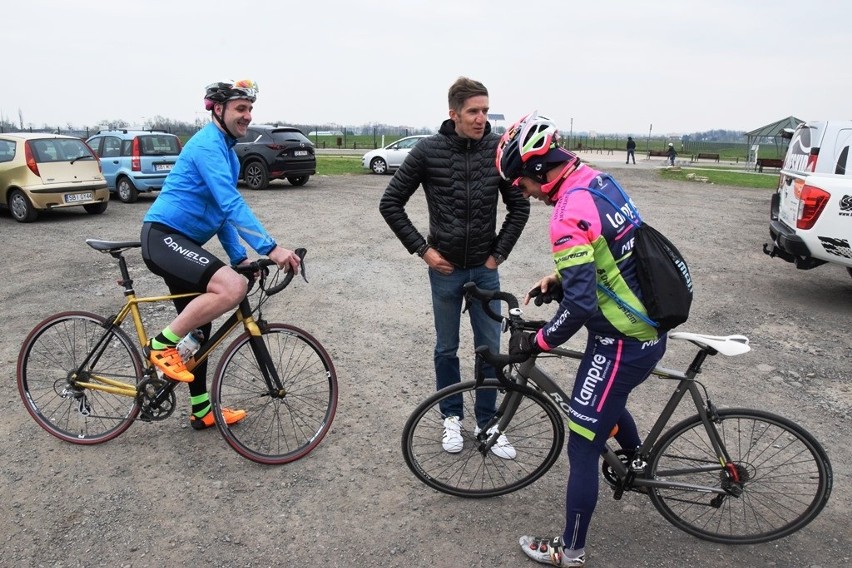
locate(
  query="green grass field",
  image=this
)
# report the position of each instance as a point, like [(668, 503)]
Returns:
[(724, 177), (339, 165), (343, 165)]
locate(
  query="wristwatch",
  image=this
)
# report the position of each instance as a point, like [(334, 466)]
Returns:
[(422, 249), (498, 258)]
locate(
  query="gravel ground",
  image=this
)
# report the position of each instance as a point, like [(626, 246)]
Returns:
[(166, 495)]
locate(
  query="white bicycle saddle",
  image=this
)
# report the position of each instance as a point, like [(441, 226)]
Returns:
[(729, 345)]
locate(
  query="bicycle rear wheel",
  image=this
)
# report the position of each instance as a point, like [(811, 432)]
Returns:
[(785, 475), (284, 426), (47, 363), (536, 431)]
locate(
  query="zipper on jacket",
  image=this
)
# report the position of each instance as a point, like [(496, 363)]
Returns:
[(467, 201)]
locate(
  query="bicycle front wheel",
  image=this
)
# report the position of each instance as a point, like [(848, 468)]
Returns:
[(536, 432), (51, 382), (784, 477), (280, 425)]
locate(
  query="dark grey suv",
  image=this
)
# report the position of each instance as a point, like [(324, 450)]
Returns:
[(275, 152)]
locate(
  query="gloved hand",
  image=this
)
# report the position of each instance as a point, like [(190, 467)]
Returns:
[(523, 344), (553, 294)]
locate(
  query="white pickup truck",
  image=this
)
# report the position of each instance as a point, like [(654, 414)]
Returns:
[(811, 213)]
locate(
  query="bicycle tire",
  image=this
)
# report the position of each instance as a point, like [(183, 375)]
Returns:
[(787, 473), (536, 431), (48, 356), (277, 429)]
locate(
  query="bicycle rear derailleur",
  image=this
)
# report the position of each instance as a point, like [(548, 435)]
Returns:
[(156, 396)]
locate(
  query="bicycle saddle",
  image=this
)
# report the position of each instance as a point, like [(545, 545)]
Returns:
[(112, 245), (729, 345)]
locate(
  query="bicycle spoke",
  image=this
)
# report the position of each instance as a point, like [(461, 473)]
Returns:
[(535, 431), (784, 478), (284, 422), (49, 360)]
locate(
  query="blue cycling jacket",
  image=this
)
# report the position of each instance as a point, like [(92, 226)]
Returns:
[(200, 199)]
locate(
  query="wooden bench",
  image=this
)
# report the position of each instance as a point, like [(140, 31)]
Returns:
[(706, 156), (658, 154), (768, 163)]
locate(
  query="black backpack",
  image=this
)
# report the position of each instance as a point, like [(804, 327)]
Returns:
[(664, 278), (663, 273)]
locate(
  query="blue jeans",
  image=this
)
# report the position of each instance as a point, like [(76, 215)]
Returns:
[(447, 300)]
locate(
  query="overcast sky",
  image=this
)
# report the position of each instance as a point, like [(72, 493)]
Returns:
[(600, 66)]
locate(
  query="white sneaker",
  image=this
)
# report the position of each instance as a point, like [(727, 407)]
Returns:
[(501, 448), (453, 442), (549, 551)]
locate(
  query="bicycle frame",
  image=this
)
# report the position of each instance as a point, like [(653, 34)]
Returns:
[(529, 372), (241, 316), (729, 475)]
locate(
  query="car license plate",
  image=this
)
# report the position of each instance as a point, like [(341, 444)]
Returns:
[(162, 167), (300, 153), (789, 210), (75, 197)]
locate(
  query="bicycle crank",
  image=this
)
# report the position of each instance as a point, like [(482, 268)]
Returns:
[(156, 398)]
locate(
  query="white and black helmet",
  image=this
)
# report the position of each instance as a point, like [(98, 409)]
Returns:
[(526, 146), (225, 91)]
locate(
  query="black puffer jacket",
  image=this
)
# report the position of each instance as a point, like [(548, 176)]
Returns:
[(462, 185)]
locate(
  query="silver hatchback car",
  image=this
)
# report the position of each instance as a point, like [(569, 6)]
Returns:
[(387, 159)]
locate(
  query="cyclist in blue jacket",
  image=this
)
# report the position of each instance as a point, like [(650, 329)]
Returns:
[(200, 200)]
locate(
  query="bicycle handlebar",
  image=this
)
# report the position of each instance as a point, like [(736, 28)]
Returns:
[(300, 252), (261, 265), (500, 360), (514, 322), (471, 290)]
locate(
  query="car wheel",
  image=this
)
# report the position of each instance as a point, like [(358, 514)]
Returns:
[(379, 166), (95, 208), (126, 191), (255, 176), (21, 208), (298, 180)]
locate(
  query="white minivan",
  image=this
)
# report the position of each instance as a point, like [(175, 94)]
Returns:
[(811, 213)]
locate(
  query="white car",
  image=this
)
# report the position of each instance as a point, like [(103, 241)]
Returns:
[(384, 160), (811, 213)]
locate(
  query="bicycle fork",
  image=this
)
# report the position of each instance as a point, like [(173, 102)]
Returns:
[(267, 368), (502, 416)]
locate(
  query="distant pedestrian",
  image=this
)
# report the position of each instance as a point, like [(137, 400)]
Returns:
[(671, 153), (631, 150)]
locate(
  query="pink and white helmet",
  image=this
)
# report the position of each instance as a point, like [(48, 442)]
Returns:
[(524, 146)]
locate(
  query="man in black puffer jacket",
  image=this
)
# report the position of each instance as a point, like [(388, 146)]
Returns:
[(458, 172)]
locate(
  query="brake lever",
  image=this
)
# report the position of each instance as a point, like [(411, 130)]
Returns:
[(300, 252)]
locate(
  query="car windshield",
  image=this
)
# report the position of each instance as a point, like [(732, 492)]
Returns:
[(407, 143), (290, 135), (59, 150), (158, 145)]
